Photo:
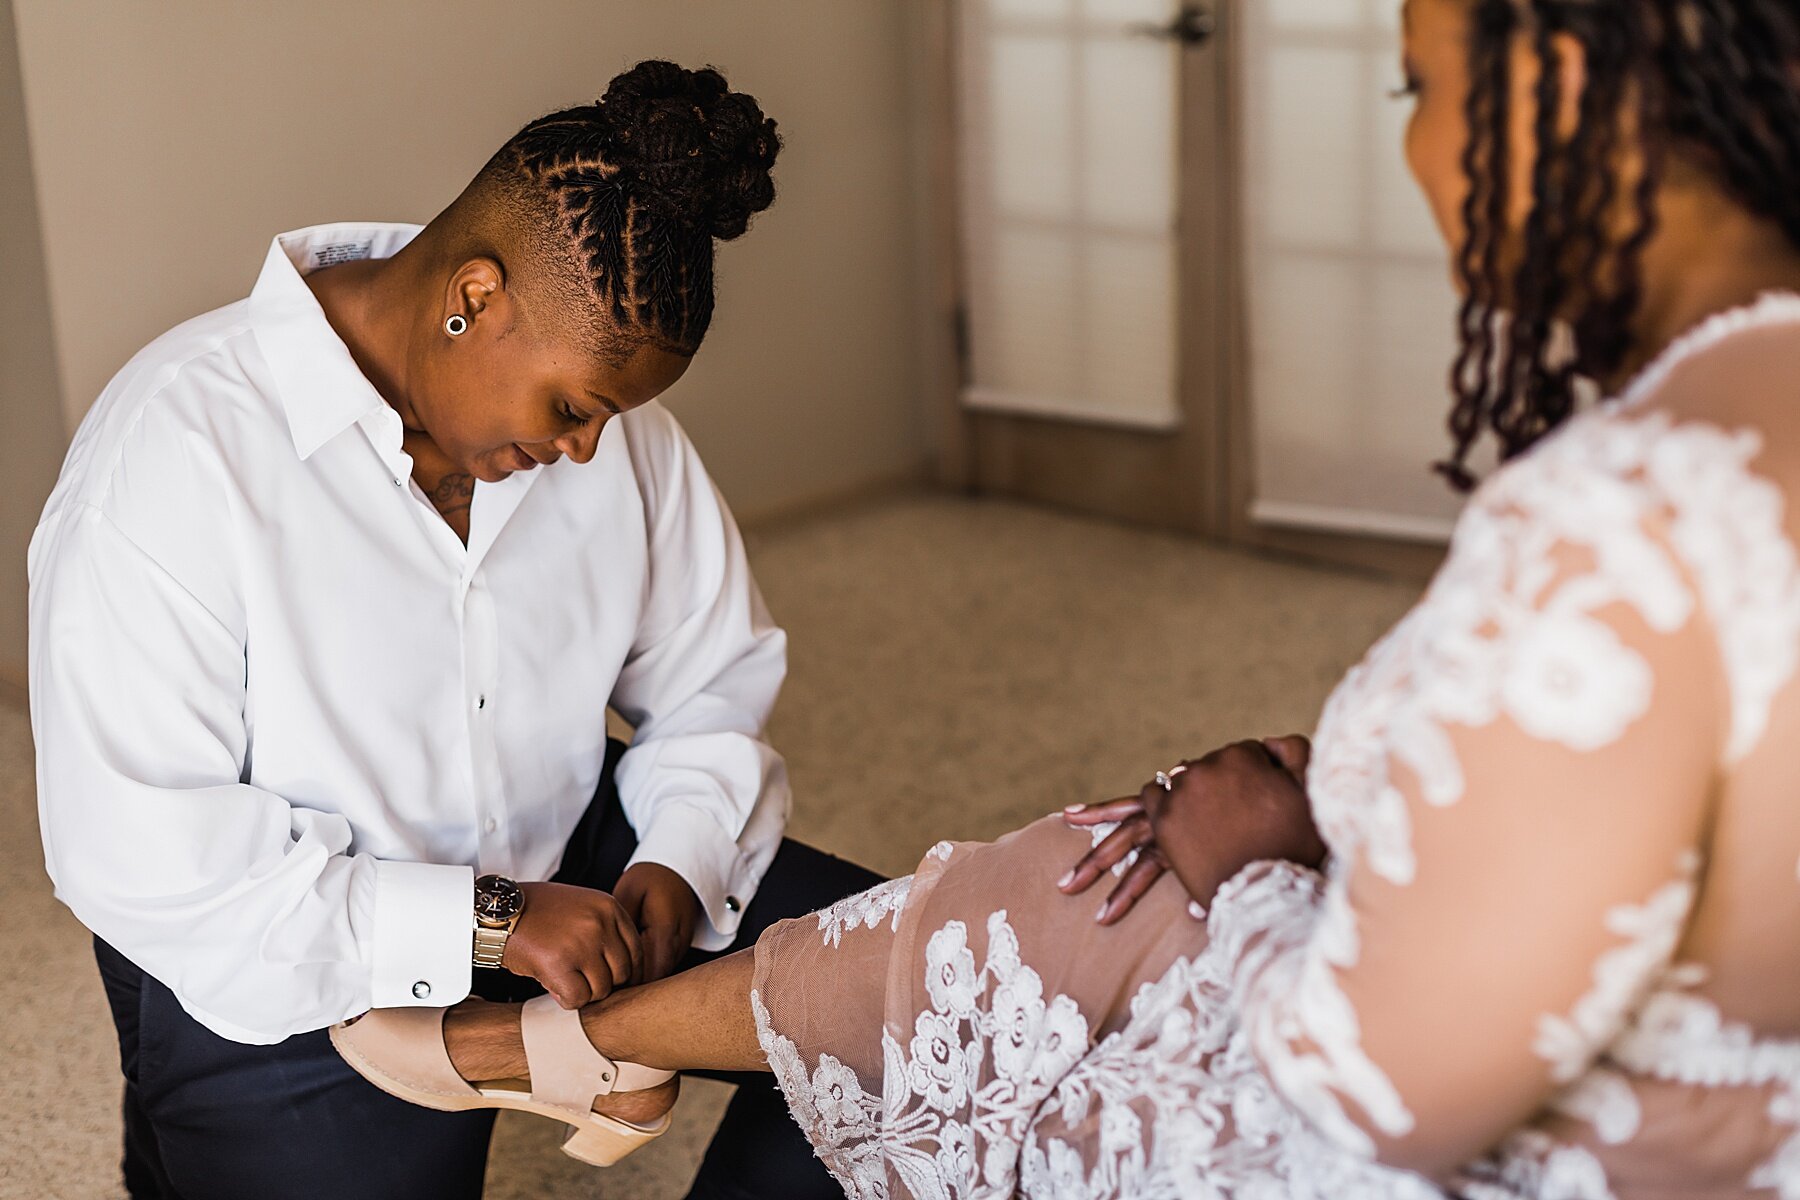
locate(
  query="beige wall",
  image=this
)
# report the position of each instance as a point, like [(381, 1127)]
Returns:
[(31, 420), (173, 140)]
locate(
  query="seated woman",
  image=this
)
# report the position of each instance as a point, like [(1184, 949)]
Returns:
[(1527, 923)]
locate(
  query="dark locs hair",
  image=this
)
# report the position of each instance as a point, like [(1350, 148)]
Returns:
[(640, 183), (1711, 80)]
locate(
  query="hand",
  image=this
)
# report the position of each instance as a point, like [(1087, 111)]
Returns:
[(665, 910), (1135, 832), (1132, 835), (1238, 805), (579, 943)]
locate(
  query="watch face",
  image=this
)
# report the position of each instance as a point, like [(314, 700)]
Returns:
[(497, 899)]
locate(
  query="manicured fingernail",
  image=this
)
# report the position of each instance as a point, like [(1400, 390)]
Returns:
[(1101, 915), (1066, 880), (1074, 808), (1196, 910)]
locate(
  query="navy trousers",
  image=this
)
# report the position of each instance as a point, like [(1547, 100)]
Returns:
[(211, 1119)]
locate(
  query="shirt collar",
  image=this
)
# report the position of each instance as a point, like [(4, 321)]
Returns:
[(321, 387)]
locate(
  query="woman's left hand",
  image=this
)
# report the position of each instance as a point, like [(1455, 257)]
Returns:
[(1132, 843), (1238, 805)]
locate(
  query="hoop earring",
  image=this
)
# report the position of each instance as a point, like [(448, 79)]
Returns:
[(455, 324)]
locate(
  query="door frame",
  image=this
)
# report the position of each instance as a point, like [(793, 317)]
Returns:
[(1216, 455)]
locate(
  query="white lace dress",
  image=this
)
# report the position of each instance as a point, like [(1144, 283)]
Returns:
[(1556, 950)]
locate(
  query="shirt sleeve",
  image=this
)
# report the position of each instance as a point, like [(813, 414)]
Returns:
[(253, 911), (706, 794), (1513, 786)]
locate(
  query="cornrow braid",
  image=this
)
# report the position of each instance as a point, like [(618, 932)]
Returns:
[(640, 183), (1712, 80)]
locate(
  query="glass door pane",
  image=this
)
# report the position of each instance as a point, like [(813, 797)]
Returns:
[(1068, 208), (1351, 313)]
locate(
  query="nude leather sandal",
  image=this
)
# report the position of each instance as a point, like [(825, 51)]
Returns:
[(401, 1051)]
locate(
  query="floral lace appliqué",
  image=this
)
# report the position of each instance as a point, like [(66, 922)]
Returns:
[(1611, 511), (1682, 1037), (976, 1100), (959, 1095), (1622, 975), (1532, 1163), (865, 909)]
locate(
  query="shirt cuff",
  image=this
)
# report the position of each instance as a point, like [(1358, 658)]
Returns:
[(424, 934), (690, 842)]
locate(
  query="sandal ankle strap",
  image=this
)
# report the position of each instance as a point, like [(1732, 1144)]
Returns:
[(566, 1069), (405, 1045)]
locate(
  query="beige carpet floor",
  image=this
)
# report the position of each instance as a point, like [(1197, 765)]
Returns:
[(958, 668)]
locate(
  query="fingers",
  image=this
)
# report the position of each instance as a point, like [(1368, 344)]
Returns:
[(1102, 814), (631, 903), (1137, 880), (655, 956), (1153, 799), (662, 950), (600, 982), (1112, 850), (1292, 752), (572, 989), (623, 951)]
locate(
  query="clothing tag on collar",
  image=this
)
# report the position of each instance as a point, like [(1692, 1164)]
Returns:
[(333, 253)]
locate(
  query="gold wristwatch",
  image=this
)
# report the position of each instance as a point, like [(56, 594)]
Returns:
[(498, 903)]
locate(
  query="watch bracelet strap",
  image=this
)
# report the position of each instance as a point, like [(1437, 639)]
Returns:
[(490, 944)]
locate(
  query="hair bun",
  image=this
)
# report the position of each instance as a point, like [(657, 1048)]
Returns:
[(691, 149)]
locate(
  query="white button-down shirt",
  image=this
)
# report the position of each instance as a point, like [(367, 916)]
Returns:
[(283, 715)]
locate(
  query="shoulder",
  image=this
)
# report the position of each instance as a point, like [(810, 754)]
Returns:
[(1735, 368), (159, 452), (1660, 459), (651, 430), (1669, 505), (663, 459), (188, 396)]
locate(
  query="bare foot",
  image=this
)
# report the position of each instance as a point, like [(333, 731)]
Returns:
[(484, 1044)]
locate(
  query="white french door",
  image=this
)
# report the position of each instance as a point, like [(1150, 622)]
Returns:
[(1069, 208), (1194, 283), (1351, 312)]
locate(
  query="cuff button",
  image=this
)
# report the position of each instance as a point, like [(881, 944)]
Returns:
[(733, 903), (421, 990)]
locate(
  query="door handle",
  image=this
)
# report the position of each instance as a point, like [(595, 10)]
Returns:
[(1194, 25)]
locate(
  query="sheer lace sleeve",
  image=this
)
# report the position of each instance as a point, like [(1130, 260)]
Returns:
[(1514, 785)]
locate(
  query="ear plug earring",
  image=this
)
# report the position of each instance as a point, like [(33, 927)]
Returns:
[(455, 324)]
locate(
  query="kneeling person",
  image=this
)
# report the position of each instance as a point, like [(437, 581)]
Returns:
[(327, 609)]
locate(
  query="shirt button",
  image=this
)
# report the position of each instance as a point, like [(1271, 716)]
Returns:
[(490, 825), (732, 903), (481, 702), (396, 483), (421, 990)]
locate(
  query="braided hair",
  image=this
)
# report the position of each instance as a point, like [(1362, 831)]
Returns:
[(632, 190), (1713, 81)]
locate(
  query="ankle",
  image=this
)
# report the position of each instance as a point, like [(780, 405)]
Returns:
[(601, 1032), (484, 1042)]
